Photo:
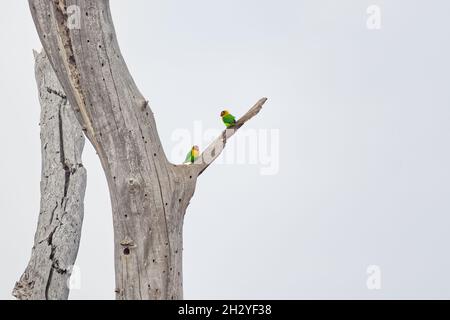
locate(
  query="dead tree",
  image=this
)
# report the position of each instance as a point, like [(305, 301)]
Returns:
[(63, 185), (149, 195)]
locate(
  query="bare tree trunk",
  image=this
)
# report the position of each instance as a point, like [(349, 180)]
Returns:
[(63, 186), (149, 195)]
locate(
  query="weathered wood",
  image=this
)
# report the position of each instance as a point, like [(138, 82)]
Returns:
[(63, 186), (149, 195)]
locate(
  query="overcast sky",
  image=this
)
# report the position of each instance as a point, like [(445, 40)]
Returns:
[(351, 164)]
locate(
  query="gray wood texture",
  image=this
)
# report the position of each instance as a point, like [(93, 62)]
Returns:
[(149, 195), (63, 185)]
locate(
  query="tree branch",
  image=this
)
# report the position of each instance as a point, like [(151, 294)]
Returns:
[(149, 196), (216, 147), (63, 186)]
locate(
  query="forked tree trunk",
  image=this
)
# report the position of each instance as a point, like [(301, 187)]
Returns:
[(149, 195), (63, 185)]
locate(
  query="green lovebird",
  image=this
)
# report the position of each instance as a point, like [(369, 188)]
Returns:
[(228, 119), (192, 155)]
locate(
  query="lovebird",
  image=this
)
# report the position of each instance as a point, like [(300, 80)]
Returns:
[(228, 119), (192, 155)]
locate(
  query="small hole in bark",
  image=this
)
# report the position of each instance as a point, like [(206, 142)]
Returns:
[(190, 177), (154, 154), (126, 216), (154, 261), (179, 200), (126, 251)]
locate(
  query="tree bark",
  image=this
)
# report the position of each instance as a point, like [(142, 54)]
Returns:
[(149, 195), (63, 186)]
